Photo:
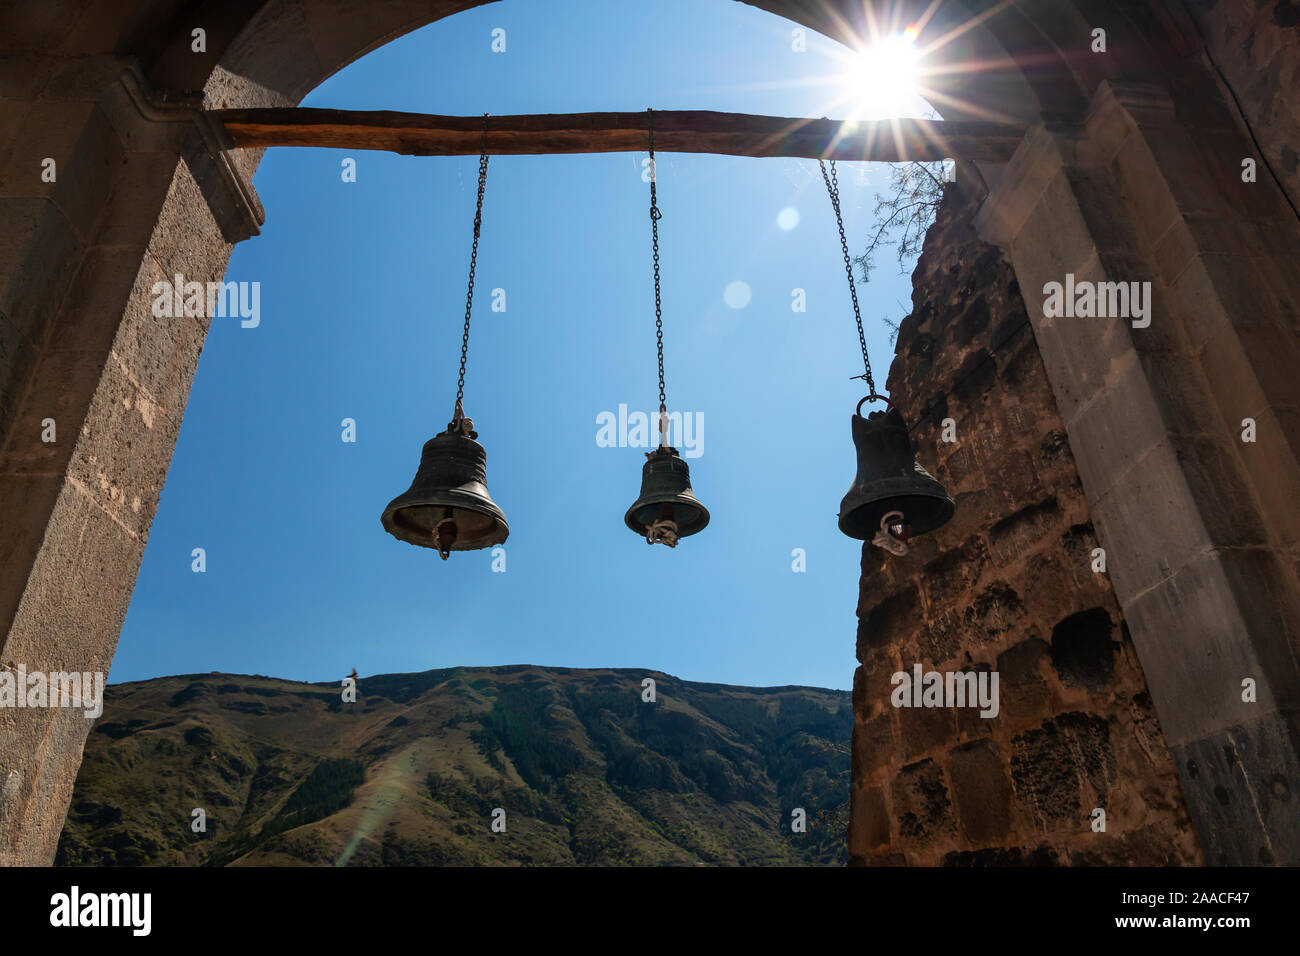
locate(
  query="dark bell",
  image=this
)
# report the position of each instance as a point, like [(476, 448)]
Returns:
[(889, 479), (667, 509), (448, 506)]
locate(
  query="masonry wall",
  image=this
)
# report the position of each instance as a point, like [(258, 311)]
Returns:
[(1256, 48), (1006, 586)]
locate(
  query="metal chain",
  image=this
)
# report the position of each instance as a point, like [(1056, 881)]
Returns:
[(473, 262), (833, 187), (655, 216)]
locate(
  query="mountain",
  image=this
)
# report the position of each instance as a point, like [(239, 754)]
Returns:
[(411, 774)]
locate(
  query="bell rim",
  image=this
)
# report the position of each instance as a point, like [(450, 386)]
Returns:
[(498, 536), (947, 509), (451, 499), (696, 527)]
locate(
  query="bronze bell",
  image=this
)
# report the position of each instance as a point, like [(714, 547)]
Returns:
[(890, 482), (667, 509), (448, 506)]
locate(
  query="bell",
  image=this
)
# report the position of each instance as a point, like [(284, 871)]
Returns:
[(448, 506), (667, 509), (891, 493)]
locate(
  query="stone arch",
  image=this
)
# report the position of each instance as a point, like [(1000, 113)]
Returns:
[(1129, 171)]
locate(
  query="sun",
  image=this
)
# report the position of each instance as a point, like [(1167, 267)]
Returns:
[(882, 80)]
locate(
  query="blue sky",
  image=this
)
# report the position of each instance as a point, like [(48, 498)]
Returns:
[(362, 301)]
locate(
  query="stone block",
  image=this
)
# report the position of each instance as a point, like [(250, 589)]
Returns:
[(1271, 463), (52, 130), (1022, 691), (1050, 766), (949, 575), (78, 590), (1077, 544), (1242, 782), (922, 729), (921, 805), (59, 388), (1218, 482), (187, 239), (1116, 429), (1045, 584), (25, 505), (126, 445), (1083, 650), (971, 725), (1181, 393), (869, 829), (1149, 524), (1055, 239), (871, 686), (1080, 355), (161, 353), (1019, 533), (138, 195), (105, 283), (17, 359), (892, 619), (993, 612), (981, 791), (88, 174), (1191, 631), (38, 255), (940, 640), (873, 746)]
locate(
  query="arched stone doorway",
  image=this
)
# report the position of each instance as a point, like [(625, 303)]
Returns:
[(1131, 171)]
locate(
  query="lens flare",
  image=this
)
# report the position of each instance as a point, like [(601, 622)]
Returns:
[(882, 82)]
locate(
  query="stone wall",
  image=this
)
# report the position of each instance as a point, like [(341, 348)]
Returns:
[(1006, 586), (93, 385), (1256, 48)]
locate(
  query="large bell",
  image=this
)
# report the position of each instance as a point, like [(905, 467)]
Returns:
[(889, 482), (667, 509), (448, 506)]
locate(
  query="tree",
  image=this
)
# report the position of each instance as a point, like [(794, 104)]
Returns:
[(904, 213)]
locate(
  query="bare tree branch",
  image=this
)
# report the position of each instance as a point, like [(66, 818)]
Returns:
[(904, 214)]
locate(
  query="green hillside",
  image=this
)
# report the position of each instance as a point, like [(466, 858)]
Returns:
[(411, 774)]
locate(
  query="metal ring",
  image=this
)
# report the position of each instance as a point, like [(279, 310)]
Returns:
[(871, 397)]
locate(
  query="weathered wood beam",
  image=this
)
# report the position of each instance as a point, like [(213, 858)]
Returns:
[(676, 131)]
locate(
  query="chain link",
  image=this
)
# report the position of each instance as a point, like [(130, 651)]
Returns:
[(833, 187), (473, 262), (655, 216)]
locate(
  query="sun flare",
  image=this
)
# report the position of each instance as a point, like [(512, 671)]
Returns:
[(883, 80)]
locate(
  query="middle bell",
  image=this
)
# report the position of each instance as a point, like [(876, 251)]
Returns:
[(448, 506), (667, 508)]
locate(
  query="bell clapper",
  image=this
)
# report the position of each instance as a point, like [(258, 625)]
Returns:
[(446, 533), (892, 535), (662, 531)]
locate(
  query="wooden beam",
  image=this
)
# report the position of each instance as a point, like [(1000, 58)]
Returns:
[(676, 131)]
